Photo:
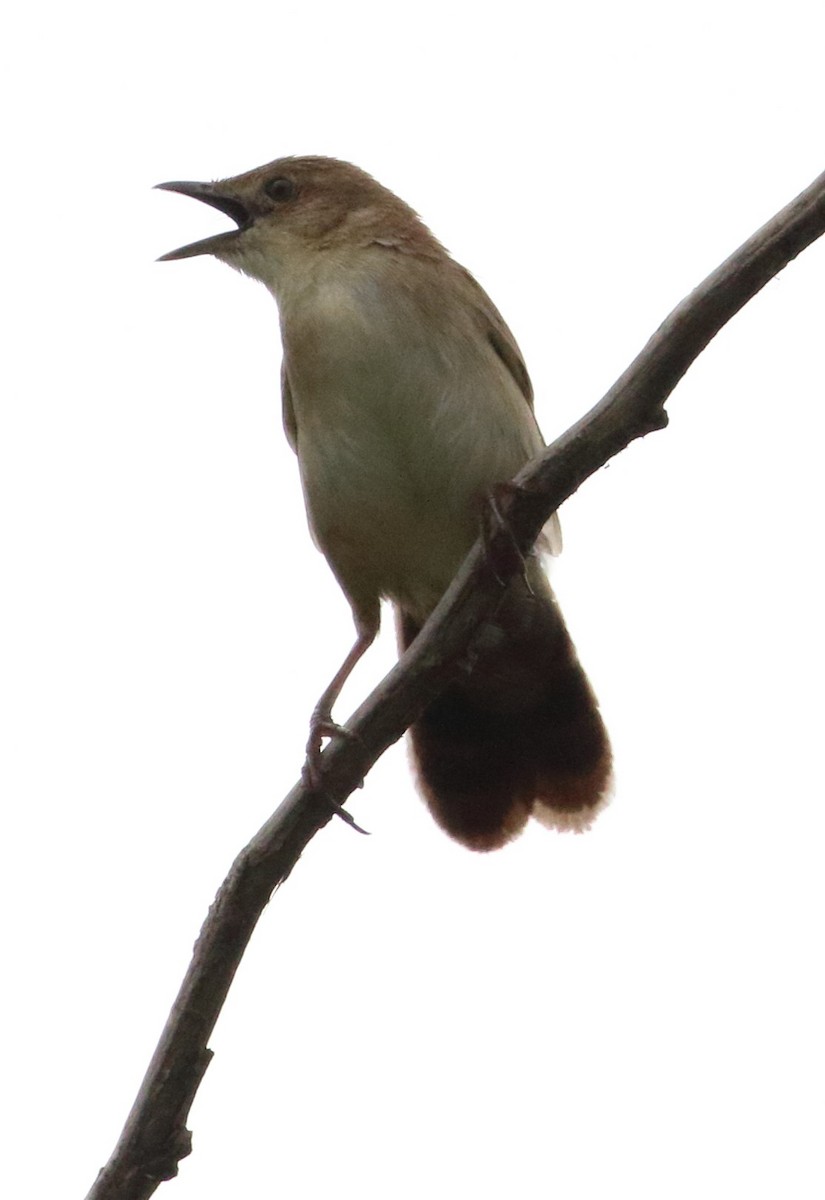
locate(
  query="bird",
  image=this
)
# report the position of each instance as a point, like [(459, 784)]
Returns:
[(407, 402)]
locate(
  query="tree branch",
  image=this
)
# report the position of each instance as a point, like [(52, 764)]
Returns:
[(155, 1137)]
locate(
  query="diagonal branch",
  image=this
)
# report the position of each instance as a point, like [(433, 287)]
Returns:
[(155, 1137)]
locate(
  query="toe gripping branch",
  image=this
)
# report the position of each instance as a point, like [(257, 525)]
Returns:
[(503, 559), (321, 727)]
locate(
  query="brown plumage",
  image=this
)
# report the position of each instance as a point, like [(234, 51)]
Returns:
[(406, 399), (522, 736)]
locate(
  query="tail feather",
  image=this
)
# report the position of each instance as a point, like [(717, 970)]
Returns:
[(521, 736)]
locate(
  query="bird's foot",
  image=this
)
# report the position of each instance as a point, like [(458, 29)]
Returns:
[(322, 726), (505, 558)]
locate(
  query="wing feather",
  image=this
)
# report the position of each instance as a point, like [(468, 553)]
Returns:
[(288, 410), (498, 334)]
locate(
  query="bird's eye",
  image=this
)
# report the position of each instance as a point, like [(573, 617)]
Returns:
[(280, 188)]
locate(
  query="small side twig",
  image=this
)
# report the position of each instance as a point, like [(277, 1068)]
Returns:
[(155, 1137)]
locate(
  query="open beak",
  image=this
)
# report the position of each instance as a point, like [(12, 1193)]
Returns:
[(209, 193)]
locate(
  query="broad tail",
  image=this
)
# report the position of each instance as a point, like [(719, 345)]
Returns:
[(522, 736)]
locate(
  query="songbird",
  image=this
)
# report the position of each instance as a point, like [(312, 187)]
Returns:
[(407, 400)]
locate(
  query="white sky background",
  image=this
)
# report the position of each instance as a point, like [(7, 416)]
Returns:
[(634, 1012)]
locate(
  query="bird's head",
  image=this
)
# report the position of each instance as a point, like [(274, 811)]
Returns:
[(297, 206)]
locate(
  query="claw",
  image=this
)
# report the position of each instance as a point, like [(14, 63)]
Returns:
[(322, 726), (493, 516), (341, 812)]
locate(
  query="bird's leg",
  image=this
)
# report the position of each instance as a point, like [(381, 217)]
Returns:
[(502, 560), (321, 724)]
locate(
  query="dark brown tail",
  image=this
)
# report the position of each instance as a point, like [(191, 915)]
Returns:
[(521, 736)]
